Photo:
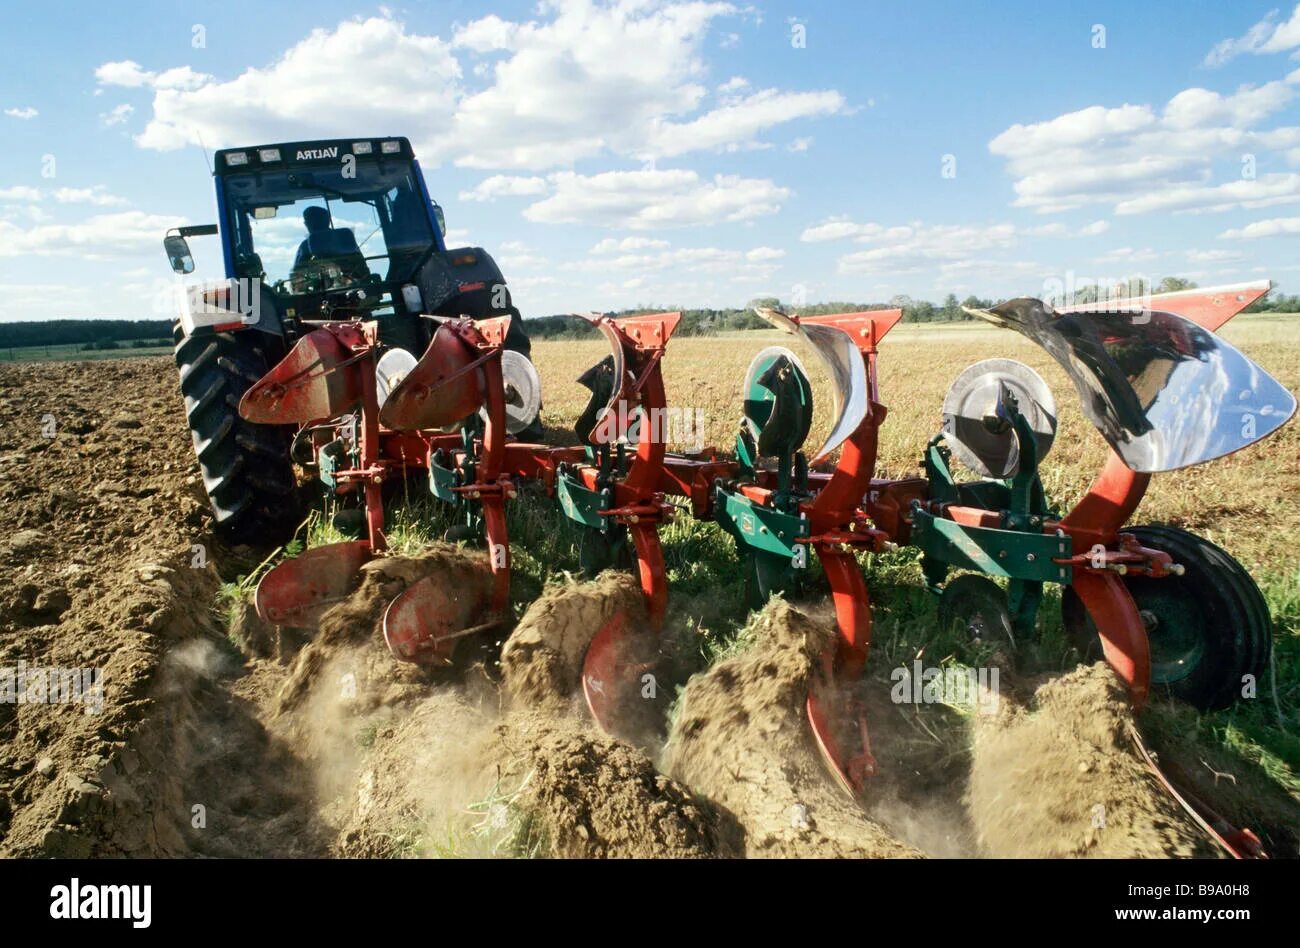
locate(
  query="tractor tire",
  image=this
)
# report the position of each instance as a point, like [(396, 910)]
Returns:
[(1208, 628), (247, 472)]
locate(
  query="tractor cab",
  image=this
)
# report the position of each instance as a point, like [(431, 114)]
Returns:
[(323, 230), (316, 220)]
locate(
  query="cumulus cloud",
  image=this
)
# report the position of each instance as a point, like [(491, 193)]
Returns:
[(648, 199), (739, 266), (103, 236), (912, 246), (116, 115), (628, 244), (1267, 36), (500, 185), (130, 75), (25, 112), (364, 74), (543, 94), (1276, 227), (1140, 159)]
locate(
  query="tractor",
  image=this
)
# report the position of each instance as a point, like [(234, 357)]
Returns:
[(367, 365), (311, 233)]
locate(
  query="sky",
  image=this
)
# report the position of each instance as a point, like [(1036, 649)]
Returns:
[(691, 153)]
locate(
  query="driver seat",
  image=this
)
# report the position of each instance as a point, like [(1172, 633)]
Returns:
[(337, 245)]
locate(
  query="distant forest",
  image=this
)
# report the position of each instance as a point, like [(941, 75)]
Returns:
[(132, 333)]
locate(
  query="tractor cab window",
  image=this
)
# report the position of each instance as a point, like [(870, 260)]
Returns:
[(316, 229)]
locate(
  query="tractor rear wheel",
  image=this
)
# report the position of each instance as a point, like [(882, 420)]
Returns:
[(1208, 628), (246, 468)]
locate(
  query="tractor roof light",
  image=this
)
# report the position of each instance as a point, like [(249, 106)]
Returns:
[(390, 148), (268, 154), (362, 148), (236, 158)]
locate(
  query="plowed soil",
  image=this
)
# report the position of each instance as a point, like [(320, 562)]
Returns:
[(183, 736)]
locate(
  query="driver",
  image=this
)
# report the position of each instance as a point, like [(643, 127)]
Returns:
[(317, 221), (327, 243)]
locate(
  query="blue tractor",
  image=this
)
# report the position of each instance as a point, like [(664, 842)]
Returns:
[(311, 232)]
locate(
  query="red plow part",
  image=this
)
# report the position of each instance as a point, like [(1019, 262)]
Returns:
[(298, 591), (846, 344), (427, 621), (1209, 308), (442, 389), (319, 378), (620, 653), (604, 672)]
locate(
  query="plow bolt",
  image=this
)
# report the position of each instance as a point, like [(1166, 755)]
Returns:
[(1177, 569)]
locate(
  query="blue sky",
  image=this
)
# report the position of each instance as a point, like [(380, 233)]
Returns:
[(694, 153)]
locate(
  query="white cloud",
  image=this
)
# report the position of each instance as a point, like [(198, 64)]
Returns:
[(837, 228), (739, 123), (1128, 255), (1276, 227), (1139, 159), (912, 246), (741, 266), (1266, 36), (1265, 191), (25, 112), (486, 35), (103, 236), (20, 193), (117, 115), (314, 90), (98, 195), (501, 185), (1215, 256), (628, 244), (799, 144), (647, 199), (583, 81), (1095, 228), (130, 75)]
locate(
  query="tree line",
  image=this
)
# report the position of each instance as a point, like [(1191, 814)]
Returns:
[(136, 333)]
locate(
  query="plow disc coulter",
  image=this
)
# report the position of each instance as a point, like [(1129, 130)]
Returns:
[(1168, 611)]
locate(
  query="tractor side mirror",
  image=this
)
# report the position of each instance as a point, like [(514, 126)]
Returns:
[(178, 253), (441, 219)]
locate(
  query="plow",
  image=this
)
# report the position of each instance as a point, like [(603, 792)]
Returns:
[(455, 401)]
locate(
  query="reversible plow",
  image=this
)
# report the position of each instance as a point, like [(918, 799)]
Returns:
[(1167, 610)]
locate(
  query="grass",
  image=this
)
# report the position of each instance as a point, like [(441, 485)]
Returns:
[(1248, 503), (73, 352)]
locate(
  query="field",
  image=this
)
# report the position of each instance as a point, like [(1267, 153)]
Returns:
[(329, 747)]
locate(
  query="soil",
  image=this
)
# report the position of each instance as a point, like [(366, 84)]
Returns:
[(189, 735), (741, 740), (106, 545), (1058, 775)]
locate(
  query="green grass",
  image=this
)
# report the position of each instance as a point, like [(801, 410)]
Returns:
[(74, 353)]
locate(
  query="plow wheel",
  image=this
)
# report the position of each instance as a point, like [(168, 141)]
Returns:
[(246, 468), (977, 606), (1208, 628)]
